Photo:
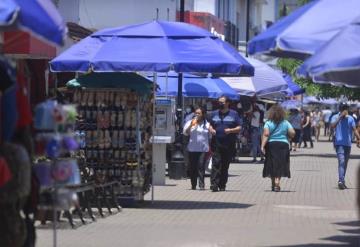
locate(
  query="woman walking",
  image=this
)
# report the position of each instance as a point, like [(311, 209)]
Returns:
[(275, 145), (307, 130), (198, 131)]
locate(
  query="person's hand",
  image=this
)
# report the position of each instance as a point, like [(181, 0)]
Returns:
[(212, 131), (194, 122), (263, 150), (358, 143), (227, 131)]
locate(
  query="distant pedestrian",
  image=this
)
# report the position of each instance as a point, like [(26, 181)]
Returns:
[(295, 121), (344, 126), (225, 125), (326, 118), (316, 123), (275, 145), (199, 138), (255, 134), (307, 130)]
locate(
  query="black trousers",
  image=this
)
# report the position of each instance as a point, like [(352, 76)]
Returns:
[(197, 168), (221, 159), (307, 136)]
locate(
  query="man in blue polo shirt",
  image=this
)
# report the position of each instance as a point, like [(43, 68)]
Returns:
[(225, 124), (344, 126)]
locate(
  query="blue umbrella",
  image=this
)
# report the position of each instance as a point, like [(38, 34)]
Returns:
[(338, 60), (156, 46), (291, 104), (301, 33), (265, 81), (39, 17), (293, 88), (195, 86)]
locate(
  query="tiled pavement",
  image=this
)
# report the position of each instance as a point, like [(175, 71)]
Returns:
[(310, 211)]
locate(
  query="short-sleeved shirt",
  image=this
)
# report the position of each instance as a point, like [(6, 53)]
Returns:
[(199, 137), (295, 120), (279, 133), (326, 115), (255, 120), (221, 121), (343, 130)]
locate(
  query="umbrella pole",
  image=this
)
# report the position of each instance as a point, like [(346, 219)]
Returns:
[(153, 137)]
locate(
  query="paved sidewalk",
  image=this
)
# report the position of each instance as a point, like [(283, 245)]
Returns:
[(310, 211)]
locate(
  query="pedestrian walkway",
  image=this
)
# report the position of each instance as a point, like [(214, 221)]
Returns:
[(310, 211)]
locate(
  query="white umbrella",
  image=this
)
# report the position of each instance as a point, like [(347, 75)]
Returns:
[(265, 81)]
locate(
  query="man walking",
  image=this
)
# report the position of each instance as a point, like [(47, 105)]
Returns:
[(344, 126), (225, 124)]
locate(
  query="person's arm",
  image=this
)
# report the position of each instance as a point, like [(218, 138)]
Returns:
[(212, 130), (337, 120), (264, 139), (307, 121), (236, 129), (187, 127), (291, 131)]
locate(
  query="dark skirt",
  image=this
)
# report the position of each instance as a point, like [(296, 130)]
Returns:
[(277, 160)]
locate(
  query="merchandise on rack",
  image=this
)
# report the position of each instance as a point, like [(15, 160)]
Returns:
[(114, 128)]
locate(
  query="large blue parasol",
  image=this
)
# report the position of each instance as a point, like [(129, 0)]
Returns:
[(337, 62), (39, 17), (195, 86), (157, 46), (305, 30)]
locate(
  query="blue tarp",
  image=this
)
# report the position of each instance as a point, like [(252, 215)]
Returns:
[(195, 86), (156, 46), (305, 30), (41, 18), (337, 61)]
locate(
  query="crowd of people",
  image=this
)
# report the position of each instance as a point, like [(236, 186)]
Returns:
[(273, 134)]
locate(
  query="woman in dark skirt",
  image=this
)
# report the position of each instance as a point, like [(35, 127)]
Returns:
[(275, 145)]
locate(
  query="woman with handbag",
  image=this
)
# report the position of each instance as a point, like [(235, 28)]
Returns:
[(275, 146), (199, 137)]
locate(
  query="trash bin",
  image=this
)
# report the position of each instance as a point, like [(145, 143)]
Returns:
[(177, 163)]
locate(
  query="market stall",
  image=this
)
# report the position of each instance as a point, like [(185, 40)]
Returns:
[(115, 122)]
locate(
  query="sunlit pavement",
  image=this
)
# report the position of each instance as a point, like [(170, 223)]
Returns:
[(309, 211)]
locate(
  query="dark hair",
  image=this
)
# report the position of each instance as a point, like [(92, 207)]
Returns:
[(203, 111), (276, 114), (227, 100), (343, 107)]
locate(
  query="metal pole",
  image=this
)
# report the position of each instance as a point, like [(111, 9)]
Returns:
[(153, 137), (180, 79), (247, 26)]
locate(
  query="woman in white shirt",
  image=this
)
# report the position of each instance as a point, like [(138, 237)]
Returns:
[(198, 131)]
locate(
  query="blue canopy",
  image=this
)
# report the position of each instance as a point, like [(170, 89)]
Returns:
[(293, 88), (195, 86), (265, 81), (301, 33), (291, 104), (39, 17), (337, 61), (156, 46)]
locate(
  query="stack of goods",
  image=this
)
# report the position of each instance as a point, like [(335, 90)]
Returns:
[(108, 130), (55, 144)]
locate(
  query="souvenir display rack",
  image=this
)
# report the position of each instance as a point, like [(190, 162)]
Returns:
[(115, 135)]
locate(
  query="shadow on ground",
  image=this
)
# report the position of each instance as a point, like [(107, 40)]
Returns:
[(193, 205), (325, 155), (350, 236)]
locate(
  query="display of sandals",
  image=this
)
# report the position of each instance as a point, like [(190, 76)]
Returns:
[(107, 129)]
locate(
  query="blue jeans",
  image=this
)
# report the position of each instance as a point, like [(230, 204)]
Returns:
[(343, 155)]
